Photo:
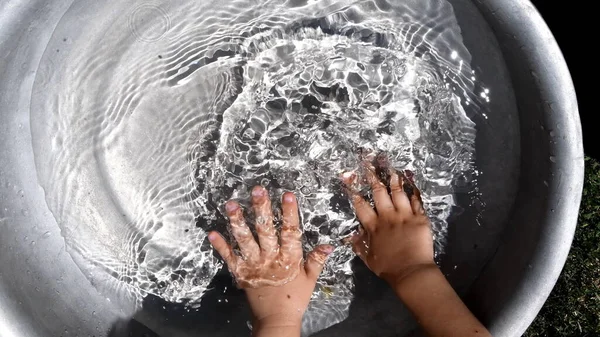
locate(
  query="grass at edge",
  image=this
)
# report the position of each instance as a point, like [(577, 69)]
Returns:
[(573, 308)]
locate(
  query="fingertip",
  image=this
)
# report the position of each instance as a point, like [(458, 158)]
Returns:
[(288, 197), (326, 249), (217, 241), (259, 192), (316, 260), (212, 236), (232, 207), (348, 177)]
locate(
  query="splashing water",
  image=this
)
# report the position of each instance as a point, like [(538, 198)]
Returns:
[(152, 121)]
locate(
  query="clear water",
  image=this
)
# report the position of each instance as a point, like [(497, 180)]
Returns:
[(150, 116)]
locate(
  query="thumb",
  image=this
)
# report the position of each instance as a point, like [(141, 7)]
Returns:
[(316, 260), (359, 245)]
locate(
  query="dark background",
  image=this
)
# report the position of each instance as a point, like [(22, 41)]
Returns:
[(571, 24)]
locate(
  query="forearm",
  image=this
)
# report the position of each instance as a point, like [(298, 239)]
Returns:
[(435, 305)]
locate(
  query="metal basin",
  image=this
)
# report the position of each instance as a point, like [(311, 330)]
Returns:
[(504, 261)]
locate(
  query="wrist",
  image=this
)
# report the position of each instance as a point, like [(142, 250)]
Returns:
[(278, 321), (277, 325), (395, 280)]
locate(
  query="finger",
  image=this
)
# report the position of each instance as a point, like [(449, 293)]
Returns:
[(291, 235), (267, 235), (416, 203), (399, 197), (223, 248), (240, 231), (359, 246), (364, 212), (381, 197), (315, 261)]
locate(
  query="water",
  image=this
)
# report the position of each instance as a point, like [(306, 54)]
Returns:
[(151, 116)]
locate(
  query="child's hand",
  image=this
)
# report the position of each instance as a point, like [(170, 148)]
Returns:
[(278, 282), (395, 239), (396, 243)]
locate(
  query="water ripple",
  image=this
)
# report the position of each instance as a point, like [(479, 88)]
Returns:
[(144, 126)]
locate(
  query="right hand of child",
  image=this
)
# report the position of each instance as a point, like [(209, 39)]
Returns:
[(395, 239), (396, 243)]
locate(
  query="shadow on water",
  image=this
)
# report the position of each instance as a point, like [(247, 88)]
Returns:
[(374, 311), (223, 312)]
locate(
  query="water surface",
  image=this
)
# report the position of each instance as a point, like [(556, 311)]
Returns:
[(151, 115)]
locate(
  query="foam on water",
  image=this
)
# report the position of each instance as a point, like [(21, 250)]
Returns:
[(146, 124)]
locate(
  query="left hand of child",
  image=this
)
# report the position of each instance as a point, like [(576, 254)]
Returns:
[(277, 280)]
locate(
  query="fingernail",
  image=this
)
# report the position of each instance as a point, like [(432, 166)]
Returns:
[(258, 192), (212, 236), (288, 197), (327, 249), (231, 206)]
